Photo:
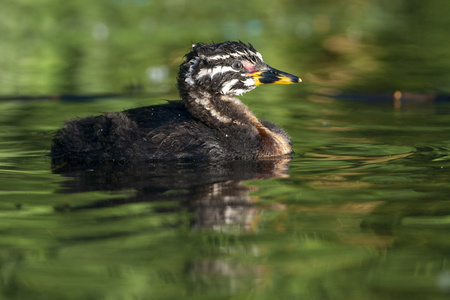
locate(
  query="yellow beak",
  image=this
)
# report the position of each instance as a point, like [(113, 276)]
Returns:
[(270, 75)]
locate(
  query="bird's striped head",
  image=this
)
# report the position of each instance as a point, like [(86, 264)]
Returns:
[(229, 68)]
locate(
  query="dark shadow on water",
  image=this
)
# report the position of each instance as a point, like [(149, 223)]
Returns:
[(211, 191)]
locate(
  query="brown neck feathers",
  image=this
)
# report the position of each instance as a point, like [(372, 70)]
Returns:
[(272, 143)]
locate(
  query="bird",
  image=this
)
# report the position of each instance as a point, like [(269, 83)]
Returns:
[(209, 123)]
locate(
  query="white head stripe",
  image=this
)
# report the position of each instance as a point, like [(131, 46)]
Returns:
[(249, 81), (189, 81), (219, 56), (239, 53), (235, 55), (227, 86), (246, 54), (259, 56), (240, 91), (213, 71)]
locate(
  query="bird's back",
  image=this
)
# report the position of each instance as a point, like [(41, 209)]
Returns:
[(160, 132)]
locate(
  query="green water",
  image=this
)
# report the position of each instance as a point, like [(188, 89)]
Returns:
[(361, 211)]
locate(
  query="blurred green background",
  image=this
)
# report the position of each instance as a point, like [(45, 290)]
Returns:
[(364, 213), (51, 47)]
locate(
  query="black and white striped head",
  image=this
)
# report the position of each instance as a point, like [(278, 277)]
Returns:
[(229, 68)]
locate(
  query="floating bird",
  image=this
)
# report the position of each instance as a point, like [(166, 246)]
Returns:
[(208, 123)]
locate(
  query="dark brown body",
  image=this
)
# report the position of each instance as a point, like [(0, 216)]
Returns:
[(161, 132)]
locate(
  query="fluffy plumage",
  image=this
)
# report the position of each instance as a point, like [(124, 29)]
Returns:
[(209, 123)]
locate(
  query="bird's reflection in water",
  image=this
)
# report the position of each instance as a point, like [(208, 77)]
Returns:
[(212, 192), (219, 206)]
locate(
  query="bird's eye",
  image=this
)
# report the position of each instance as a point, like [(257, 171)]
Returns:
[(237, 65)]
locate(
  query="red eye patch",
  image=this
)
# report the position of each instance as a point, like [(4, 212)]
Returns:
[(248, 66)]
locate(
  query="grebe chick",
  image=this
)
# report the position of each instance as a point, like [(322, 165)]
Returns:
[(209, 122)]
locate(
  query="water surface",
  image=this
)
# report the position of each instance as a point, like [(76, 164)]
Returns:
[(359, 212)]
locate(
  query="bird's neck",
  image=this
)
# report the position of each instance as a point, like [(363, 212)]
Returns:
[(217, 110), (222, 111)]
